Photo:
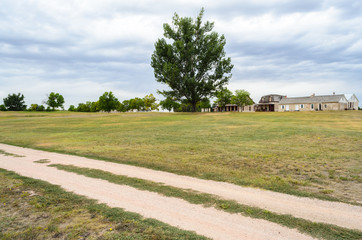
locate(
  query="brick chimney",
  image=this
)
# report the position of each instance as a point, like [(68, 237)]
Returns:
[(313, 95)]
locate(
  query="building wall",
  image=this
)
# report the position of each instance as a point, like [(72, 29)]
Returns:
[(205, 109), (311, 107), (249, 108), (353, 103)]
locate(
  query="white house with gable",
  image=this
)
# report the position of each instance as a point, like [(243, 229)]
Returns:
[(352, 101)]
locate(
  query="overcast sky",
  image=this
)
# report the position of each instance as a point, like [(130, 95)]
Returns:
[(82, 48)]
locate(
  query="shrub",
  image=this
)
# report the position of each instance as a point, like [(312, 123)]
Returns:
[(2, 108)]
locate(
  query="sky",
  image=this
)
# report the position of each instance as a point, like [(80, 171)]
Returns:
[(83, 48)]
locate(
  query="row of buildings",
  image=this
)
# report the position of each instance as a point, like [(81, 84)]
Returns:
[(280, 103)]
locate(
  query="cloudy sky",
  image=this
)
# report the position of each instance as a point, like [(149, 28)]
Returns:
[(82, 48)]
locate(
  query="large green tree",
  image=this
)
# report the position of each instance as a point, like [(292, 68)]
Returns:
[(192, 63), (55, 100), (108, 102), (15, 102)]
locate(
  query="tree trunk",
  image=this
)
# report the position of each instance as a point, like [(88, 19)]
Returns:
[(194, 107)]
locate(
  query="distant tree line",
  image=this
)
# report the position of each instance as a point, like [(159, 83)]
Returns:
[(108, 102), (241, 98), (15, 102)]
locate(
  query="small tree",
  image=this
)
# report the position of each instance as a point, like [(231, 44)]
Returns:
[(224, 97), (108, 102), (40, 108), (33, 107), (241, 98), (2, 107), (36, 107), (150, 102), (71, 108), (82, 107), (137, 104), (15, 102), (94, 107), (55, 100)]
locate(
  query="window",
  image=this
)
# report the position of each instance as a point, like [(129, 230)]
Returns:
[(301, 105), (325, 105), (282, 106), (312, 106)]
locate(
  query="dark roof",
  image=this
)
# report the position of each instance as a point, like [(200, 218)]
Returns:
[(273, 95), (270, 98), (313, 99)]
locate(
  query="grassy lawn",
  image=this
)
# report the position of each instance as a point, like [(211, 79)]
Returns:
[(313, 153), (33, 209)]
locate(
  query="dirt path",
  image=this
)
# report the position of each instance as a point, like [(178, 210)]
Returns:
[(340, 214), (209, 222)]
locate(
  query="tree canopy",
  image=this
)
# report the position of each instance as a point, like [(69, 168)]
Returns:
[(108, 102), (136, 104), (193, 64), (15, 102), (241, 98), (150, 102), (224, 97), (55, 100), (169, 104)]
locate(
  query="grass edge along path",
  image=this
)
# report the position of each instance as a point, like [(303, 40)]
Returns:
[(142, 227), (9, 154), (317, 230), (290, 191)]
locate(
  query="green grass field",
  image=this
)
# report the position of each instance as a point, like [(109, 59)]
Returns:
[(313, 153)]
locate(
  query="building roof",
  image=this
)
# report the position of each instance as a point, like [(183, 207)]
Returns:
[(314, 99), (351, 97), (270, 98), (348, 95)]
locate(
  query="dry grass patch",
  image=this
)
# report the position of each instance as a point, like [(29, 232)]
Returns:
[(286, 152)]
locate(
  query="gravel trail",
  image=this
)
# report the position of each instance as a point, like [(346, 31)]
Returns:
[(315, 210), (209, 222)]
